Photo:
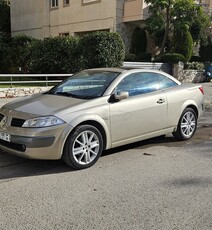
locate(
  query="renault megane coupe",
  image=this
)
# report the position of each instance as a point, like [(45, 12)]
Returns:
[(99, 109)]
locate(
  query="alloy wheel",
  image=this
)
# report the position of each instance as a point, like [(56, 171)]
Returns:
[(85, 147), (188, 124)]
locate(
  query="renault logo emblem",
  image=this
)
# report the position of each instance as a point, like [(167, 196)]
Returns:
[(3, 121)]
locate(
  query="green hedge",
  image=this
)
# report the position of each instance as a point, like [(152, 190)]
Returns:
[(61, 54), (170, 58), (102, 49), (55, 55), (5, 60), (141, 57)]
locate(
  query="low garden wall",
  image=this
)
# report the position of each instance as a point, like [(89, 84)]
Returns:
[(21, 92), (186, 75)]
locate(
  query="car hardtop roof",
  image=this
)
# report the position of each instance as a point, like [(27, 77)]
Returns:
[(123, 69)]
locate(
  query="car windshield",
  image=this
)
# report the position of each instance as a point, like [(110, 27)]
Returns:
[(86, 84)]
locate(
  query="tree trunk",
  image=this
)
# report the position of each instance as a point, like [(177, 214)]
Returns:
[(166, 29)]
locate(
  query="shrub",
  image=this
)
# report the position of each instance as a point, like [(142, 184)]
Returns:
[(102, 49), (141, 57), (194, 65), (170, 58), (20, 53), (183, 43), (130, 57), (196, 59), (5, 60), (55, 55), (144, 57), (138, 41)]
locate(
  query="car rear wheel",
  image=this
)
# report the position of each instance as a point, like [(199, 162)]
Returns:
[(187, 125), (83, 147)]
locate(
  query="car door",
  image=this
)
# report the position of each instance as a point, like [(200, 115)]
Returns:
[(144, 112)]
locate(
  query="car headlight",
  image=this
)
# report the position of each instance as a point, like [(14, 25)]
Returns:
[(43, 122)]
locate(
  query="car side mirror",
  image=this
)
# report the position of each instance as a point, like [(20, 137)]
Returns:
[(121, 95)]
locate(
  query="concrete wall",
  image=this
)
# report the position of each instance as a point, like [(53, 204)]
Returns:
[(29, 17), (36, 18)]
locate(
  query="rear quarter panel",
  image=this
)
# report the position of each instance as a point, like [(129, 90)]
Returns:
[(181, 97)]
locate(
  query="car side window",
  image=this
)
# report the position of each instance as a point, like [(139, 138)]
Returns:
[(139, 83), (166, 82)]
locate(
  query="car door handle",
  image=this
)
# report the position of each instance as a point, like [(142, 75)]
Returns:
[(161, 101)]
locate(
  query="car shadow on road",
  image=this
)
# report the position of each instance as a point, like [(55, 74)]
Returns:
[(12, 167), (157, 141)]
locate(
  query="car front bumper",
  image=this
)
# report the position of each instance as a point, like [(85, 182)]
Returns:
[(36, 143)]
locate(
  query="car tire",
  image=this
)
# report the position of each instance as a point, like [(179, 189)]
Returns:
[(187, 125), (83, 147)]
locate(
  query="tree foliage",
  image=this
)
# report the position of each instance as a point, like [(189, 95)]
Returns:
[(168, 15), (138, 41), (183, 43), (206, 51), (4, 17)]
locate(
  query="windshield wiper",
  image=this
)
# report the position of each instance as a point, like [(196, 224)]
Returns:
[(67, 94)]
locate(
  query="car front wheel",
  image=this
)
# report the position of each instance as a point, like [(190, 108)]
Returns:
[(187, 125), (83, 147)]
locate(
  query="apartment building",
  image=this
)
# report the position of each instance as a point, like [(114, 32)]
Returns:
[(44, 18)]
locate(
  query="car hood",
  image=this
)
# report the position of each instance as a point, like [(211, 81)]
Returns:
[(43, 104)]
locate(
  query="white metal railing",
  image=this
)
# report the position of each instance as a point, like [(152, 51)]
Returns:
[(43, 78)]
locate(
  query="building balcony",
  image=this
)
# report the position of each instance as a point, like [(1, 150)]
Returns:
[(135, 10)]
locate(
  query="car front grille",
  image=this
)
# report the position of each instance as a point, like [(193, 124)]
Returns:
[(15, 146), (16, 122)]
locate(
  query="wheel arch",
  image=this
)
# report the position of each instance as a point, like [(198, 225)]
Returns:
[(190, 104), (94, 123), (99, 127), (194, 108)]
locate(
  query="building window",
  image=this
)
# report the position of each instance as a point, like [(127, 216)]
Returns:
[(84, 2), (64, 34), (81, 34), (54, 3), (66, 2)]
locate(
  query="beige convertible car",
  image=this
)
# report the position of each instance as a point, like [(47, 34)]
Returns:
[(99, 109)]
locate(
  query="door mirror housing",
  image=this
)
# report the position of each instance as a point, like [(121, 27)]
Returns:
[(121, 95)]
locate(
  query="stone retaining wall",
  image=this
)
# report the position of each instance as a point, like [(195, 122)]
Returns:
[(21, 92), (191, 76), (186, 75)]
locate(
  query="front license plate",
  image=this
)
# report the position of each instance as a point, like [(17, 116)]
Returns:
[(5, 136)]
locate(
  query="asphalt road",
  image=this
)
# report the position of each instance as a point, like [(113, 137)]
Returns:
[(151, 185), (155, 184)]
